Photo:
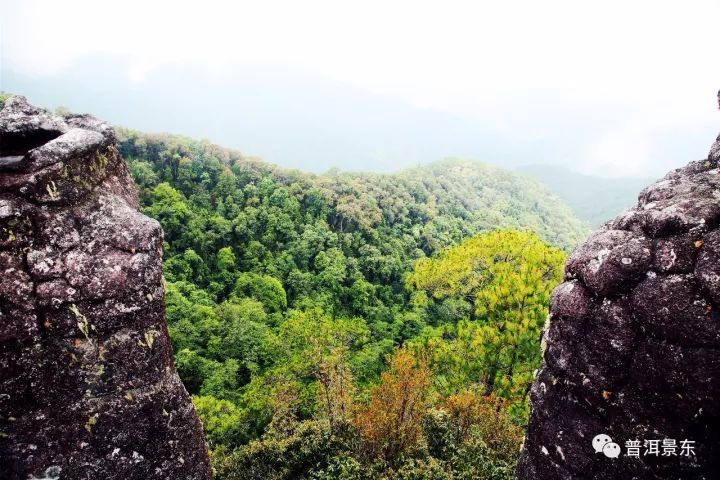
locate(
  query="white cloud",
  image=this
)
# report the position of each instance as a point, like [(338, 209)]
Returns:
[(654, 59)]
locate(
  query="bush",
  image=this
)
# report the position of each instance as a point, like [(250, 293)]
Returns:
[(223, 421), (391, 424), (474, 417), (267, 290), (309, 447)]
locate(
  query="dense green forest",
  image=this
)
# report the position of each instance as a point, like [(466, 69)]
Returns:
[(353, 326)]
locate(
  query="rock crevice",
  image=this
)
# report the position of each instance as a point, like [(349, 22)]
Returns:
[(87, 384), (632, 344)]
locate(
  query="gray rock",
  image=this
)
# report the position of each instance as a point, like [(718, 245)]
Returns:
[(676, 254), (714, 154), (76, 142), (707, 269), (611, 262), (24, 127), (87, 383), (632, 345)]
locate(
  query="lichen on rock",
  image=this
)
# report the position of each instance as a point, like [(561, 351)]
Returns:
[(87, 383), (633, 344)]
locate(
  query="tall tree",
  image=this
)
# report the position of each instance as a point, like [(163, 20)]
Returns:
[(391, 424), (506, 278)]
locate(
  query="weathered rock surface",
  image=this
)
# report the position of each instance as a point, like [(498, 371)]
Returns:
[(632, 345), (87, 384)]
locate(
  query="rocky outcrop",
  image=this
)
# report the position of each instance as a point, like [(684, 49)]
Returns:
[(87, 383), (632, 345)]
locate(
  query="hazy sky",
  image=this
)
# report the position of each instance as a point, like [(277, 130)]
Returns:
[(640, 76)]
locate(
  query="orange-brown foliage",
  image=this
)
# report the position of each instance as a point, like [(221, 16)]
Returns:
[(392, 423)]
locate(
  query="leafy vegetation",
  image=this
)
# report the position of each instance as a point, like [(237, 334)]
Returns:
[(352, 326)]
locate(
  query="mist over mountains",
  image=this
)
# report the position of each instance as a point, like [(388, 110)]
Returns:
[(595, 200), (298, 119)]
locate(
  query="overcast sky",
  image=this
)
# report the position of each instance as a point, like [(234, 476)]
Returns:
[(530, 69)]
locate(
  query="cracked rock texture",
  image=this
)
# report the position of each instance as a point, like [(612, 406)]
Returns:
[(632, 345), (87, 383)]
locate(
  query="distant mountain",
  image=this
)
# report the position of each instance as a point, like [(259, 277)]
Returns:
[(271, 272), (493, 197), (437, 204), (595, 200)]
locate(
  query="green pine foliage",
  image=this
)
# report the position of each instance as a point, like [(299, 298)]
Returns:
[(299, 306)]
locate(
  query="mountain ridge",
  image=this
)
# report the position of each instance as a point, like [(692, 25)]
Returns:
[(555, 222)]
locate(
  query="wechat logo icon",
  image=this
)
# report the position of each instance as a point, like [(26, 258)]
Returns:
[(603, 443)]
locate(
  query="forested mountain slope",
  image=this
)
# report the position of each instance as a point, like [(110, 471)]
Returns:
[(345, 240), (451, 198), (304, 308)]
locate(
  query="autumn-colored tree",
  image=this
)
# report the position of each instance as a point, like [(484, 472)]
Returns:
[(391, 424), (280, 284)]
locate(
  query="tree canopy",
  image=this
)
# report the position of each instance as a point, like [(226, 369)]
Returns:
[(352, 325)]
